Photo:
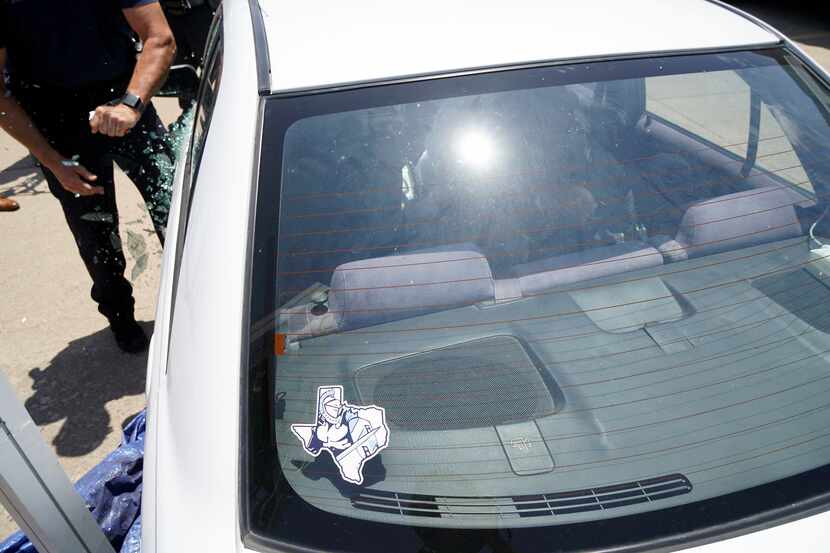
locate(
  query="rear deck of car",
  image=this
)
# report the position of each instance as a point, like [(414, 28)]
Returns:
[(693, 377)]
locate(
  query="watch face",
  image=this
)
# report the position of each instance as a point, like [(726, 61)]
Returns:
[(132, 101)]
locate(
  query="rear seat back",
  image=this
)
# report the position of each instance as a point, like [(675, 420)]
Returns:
[(735, 221), (382, 289), (544, 274)]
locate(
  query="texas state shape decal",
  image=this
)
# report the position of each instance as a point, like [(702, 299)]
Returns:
[(352, 434)]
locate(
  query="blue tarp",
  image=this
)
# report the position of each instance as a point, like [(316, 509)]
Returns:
[(112, 491)]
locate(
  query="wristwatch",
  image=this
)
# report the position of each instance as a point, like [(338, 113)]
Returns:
[(132, 101)]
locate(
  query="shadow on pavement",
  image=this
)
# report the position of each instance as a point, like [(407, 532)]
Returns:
[(27, 168), (77, 385), (26, 165)]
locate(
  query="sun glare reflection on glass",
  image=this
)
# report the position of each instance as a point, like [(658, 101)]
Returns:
[(475, 149)]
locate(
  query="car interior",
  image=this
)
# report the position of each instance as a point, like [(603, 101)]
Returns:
[(625, 190)]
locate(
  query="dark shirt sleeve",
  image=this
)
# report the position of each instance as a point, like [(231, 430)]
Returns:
[(3, 20), (135, 3)]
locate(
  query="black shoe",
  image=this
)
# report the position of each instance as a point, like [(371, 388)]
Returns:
[(128, 335)]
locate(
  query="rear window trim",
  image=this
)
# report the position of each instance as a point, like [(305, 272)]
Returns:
[(290, 93)]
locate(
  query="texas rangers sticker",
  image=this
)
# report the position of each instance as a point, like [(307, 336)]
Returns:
[(352, 434)]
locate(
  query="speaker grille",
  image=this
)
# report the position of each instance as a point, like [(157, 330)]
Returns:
[(541, 505), (483, 382)]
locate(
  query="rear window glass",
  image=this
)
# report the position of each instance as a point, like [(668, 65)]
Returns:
[(510, 303), (730, 106)]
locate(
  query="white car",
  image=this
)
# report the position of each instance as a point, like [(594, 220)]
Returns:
[(495, 276)]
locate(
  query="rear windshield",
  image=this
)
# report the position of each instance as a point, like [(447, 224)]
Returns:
[(506, 307)]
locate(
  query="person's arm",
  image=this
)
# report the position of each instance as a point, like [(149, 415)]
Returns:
[(159, 50), (15, 121)]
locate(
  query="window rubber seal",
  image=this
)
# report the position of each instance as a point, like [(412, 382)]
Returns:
[(263, 61)]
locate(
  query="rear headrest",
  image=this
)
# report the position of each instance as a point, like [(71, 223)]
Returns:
[(735, 221), (373, 291)]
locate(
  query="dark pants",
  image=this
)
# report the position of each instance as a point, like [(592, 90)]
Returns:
[(143, 154)]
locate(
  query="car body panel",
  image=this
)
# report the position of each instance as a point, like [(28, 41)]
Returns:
[(806, 534), (192, 504), (192, 469), (381, 41), (157, 356)]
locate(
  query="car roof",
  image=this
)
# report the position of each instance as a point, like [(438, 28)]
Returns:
[(318, 43)]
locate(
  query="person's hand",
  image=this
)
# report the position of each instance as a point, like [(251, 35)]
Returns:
[(75, 178), (113, 120)]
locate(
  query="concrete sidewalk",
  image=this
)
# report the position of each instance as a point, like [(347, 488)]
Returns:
[(56, 348)]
